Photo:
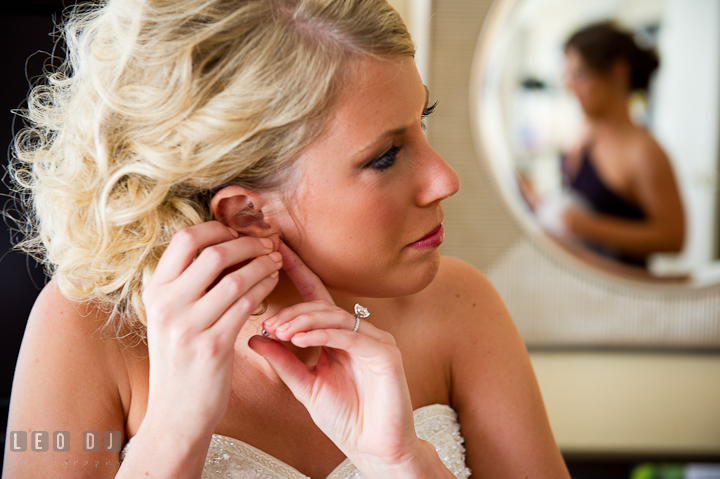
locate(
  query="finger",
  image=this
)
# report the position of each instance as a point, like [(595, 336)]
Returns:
[(232, 321), (306, 282), (275, 240), (336, 319), (355, 344), (288, 367), (184, 246), (233, 288), (310, 321), (291, 312), (215, 259)]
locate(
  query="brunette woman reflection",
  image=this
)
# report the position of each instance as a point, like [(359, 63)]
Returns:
[(617, 168)]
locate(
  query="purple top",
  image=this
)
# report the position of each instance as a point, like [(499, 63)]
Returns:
[(603, 200)]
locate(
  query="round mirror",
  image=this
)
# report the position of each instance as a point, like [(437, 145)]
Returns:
[(605, 158)]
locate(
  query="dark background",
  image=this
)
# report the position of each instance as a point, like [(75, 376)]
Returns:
[(25, 28), (25, 35)]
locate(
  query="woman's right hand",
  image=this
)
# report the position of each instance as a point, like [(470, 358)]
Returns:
[(553, 211), (193, 320)]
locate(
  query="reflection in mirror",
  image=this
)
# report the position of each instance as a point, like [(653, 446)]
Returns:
[(616, 160)]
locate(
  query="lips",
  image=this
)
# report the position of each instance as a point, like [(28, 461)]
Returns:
[(437, 228), (431, 240)]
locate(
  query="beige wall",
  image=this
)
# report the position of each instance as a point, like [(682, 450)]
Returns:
[(402, 7), (622, 403)]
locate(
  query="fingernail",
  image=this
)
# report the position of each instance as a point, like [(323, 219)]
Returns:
[(234, 233), (270, 322), (275, 274), (283, 327), (276, 241), (277, 257), (267, 242)]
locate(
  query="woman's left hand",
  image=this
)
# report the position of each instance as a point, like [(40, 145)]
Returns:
[(357, 393)]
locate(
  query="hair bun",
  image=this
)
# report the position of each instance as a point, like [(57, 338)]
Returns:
[(643, 64)]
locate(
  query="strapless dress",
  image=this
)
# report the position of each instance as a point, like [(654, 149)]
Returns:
[(230, 458)]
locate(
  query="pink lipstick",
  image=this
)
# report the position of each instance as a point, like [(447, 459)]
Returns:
[(430, 240)]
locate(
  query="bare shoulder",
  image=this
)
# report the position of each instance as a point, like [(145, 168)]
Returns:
[(66, 379), (476, 313), (464, 310), (647, 155), (462, 289), (479, 315), (77, 324), (493, 386), (56, 319)]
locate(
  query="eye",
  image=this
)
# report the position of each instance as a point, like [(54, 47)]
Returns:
[(386, 160), (427, 112)]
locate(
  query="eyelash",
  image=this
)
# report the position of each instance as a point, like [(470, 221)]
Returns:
[(387, 159), (427, 112)]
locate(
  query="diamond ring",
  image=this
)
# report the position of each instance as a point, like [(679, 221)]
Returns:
[(360, 312)]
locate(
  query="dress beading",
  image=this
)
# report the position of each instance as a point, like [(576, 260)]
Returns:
[(230, 458)]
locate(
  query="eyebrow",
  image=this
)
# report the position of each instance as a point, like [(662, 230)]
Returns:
[(396, 131)]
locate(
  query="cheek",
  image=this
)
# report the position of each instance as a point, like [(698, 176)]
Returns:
[(590, 94), (597, 90), (583, 89), (355, 244), (356, 226)]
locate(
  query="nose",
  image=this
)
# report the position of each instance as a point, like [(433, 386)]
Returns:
[(440, 181)]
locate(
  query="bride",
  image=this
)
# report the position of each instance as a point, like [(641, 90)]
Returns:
[(223, 190)]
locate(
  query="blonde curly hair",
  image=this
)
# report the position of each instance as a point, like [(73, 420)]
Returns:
[(158, 104)]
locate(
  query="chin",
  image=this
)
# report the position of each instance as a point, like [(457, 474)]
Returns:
[(588, 109), (425, 275), (405, 281), (593, 108)]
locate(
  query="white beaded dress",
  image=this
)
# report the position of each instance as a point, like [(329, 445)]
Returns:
[(234, 459)]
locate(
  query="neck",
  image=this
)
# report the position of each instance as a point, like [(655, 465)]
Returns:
[(283, 296), (614, 118)]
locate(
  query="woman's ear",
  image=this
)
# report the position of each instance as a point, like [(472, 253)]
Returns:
[(242, 210), (620, 73)]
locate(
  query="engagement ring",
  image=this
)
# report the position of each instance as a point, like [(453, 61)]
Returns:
[(360, 312)]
